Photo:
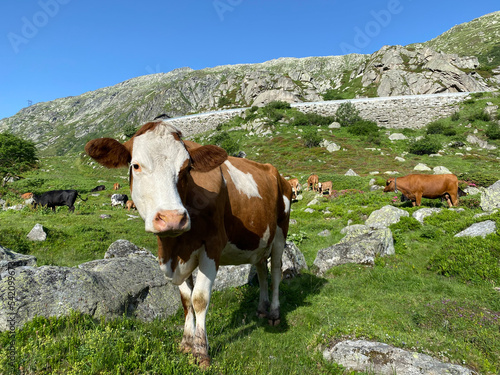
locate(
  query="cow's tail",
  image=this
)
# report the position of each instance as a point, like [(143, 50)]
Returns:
[(78, 195)]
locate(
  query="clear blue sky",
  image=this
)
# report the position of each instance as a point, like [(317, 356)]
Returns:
[(56, 48)]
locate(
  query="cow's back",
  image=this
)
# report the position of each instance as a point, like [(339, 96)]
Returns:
[(259, 202)]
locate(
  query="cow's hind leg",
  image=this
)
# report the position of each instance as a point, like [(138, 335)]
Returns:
[(263, 285), (276, 274), (186, 290)]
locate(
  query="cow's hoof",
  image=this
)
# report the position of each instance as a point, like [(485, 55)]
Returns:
[(274, 322), (261, 315), (185, 348), (203, 361)]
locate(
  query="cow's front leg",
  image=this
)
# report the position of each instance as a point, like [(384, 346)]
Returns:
[(201, 300), (186, 289)]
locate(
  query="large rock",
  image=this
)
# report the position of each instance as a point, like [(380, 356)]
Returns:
[(385, 216), (37, 233), (421, 167), (379, 358), (269, 96), (422, 213), (131, 285), (490, 197), (479, 229), (441, 170), (293, 261), (360, 245), (10, 260)]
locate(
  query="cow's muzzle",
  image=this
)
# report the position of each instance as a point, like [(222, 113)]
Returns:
[(171, 223)]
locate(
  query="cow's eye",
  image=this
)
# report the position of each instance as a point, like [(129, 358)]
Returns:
[(136, 167)]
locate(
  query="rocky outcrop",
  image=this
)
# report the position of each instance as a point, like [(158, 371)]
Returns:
[(385, 216), (490, 197), (360, 245), (402, 71), (379, 358), (132, 285), (128, 281), (481, 229)]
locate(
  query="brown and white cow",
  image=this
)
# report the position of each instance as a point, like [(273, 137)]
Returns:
[(325, 187), (312, 182), (26, 196), (296, 188), (116, 186), (129, 204), (207, 210), (418, 186)]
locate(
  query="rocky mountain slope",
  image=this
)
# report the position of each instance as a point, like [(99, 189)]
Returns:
[(64, 125), (479, 37)]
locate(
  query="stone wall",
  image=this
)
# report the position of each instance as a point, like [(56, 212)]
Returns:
[(394, 112)]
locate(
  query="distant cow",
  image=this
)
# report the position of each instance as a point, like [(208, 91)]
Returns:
[(98, 188), (116, 186), (130, 204), (27, 196), (296, 188), (119, 199), (417, 186), (326, 187), (312, 182), (55, 198)]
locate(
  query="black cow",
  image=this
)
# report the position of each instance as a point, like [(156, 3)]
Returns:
[(55, 198), (98, 188)]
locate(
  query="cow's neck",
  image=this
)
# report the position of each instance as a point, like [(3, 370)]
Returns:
[(400, 185)]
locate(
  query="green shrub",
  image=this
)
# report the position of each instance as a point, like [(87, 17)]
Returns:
[(449, 131), (493, 131), (312, 138), (469, 259), (347, 114), (406, 224), (311, 119), (436, 127), (228, 143), (480, 115), (426, 145), (479, 178), (363, 127), (439, 127), (430, 232), (277, 104), (455, 116)]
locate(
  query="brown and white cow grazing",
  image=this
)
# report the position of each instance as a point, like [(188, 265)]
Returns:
[(116, 186), (312, 182), (207, 210), (418, 186), (326, 187), (296, 188)]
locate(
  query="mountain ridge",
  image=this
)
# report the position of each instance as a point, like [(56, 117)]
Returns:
[(65, 124)]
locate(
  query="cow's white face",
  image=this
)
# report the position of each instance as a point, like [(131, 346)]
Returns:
[(157, 159)]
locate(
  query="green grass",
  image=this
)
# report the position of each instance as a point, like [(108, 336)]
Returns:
[(435, 295)]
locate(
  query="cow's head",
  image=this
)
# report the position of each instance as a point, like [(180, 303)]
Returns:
[(389, 185), (160, 166)]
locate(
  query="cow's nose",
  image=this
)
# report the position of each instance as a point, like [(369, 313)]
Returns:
[(171, 222)]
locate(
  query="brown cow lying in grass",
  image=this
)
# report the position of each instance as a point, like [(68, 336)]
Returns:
[(418, 186)]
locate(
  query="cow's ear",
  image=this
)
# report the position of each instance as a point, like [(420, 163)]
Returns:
[(206, 158), (108, 152)]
